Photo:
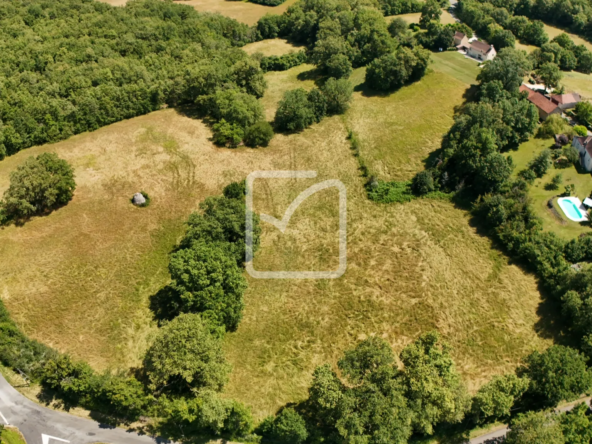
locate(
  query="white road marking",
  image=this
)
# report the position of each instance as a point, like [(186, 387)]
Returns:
[(4, 418), (46, 438)]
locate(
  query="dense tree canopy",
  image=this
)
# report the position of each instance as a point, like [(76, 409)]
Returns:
[(76, 65), (433, 386), (187, 355), (558, 374), (535, 428)]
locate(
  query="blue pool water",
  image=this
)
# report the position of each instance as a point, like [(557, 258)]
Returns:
[(571, 209)]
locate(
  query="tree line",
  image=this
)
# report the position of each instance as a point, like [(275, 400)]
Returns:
[(574, 15), (370, 398), (74, 66), (502, 24)]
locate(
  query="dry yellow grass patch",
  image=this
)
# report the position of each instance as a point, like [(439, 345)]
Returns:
[(243, 11), (411, 268), (271, 47), (414, 17), (80, 278)]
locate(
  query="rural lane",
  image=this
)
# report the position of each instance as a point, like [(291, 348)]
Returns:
[(496, 436), (34, 421)]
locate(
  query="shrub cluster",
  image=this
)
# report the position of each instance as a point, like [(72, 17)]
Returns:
[(76, 65), (283, 62), (299, 109), (236, 113), (392, 71), (39, 185)]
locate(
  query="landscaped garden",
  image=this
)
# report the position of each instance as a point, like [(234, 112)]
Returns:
[(541, 193)]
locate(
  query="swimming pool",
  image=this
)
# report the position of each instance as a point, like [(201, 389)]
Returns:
[(573, 209)]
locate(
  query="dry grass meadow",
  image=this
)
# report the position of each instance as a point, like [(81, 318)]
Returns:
[(446, 18), (80, 278), (271, 47), (243, 11)]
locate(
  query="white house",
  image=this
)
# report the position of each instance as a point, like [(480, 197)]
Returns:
[(481, 51), (584, 145), (461, 41)]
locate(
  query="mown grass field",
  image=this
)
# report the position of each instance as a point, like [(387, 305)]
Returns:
[(80, 278), (401, 129), (579, 82), (243, 11), (554, 221)]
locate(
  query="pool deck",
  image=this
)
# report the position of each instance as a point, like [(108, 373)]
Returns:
[(564, 201)]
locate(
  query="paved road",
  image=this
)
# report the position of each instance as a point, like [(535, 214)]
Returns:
[(497, 436), (34, 421)]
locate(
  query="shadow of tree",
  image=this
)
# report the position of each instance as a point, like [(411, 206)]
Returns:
[(165, 304)]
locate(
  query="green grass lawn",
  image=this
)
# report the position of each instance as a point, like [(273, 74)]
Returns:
[(552, 221), (12, 436), (400, 130), (578, 82), (456, 65)]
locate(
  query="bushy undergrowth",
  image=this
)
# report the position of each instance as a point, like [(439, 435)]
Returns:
[(283, 62)]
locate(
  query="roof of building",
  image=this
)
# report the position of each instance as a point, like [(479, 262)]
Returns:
[(481, 46), (566, 98), (459, 35), (588, 202), (523, 88), (585, 142), (539, 100)]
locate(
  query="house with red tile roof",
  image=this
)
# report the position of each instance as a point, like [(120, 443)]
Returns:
[(566, 101), (545, 106), (584, 146)]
